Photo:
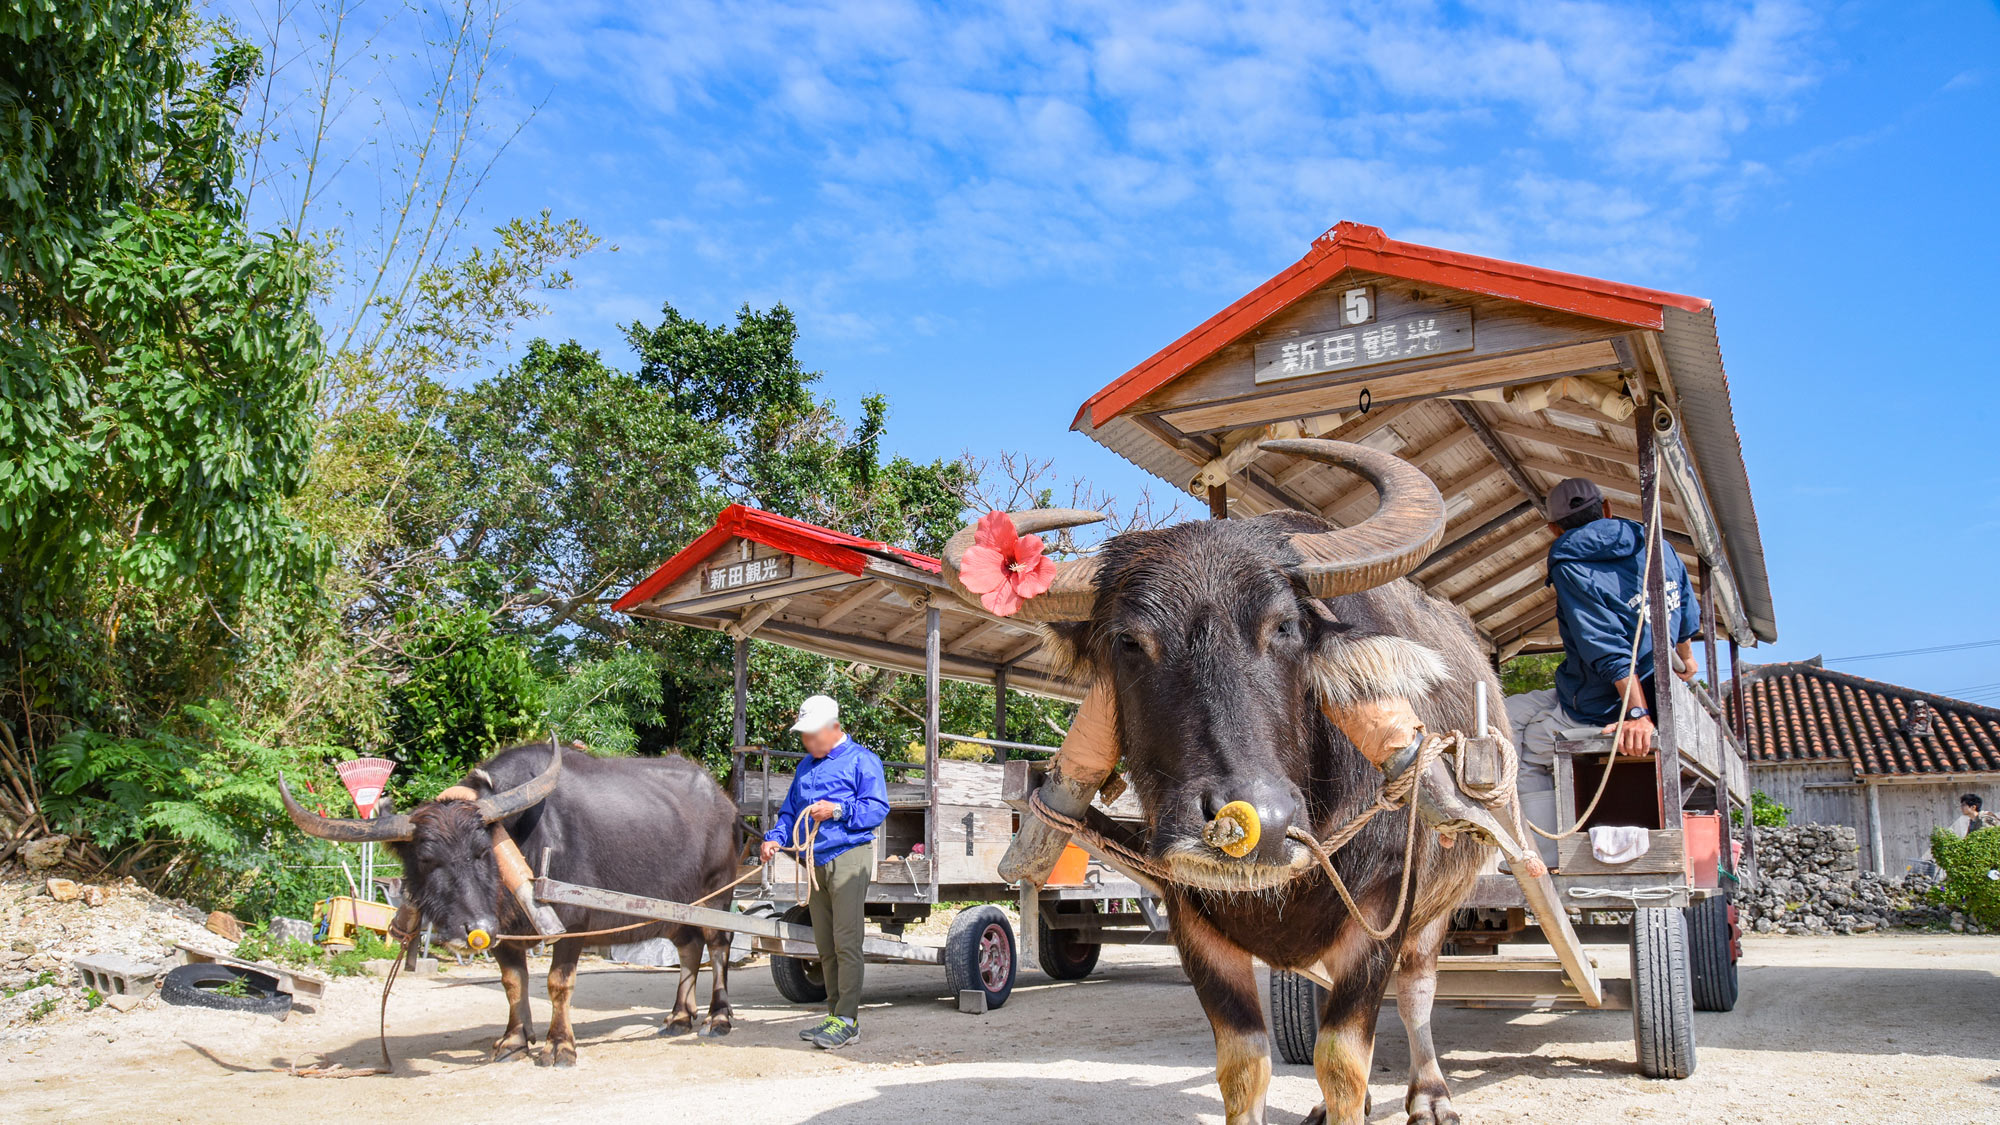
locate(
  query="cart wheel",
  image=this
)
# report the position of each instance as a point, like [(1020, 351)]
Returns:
[(980, 953), (798, 980), (1061, 954), (1295, 1004), (1712, 953), (1662, 993)]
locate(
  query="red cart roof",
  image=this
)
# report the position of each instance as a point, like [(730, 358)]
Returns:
[(823, 545), (1358, 246)]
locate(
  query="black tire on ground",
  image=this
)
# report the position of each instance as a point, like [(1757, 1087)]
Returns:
[(1662, 993), (1711, 949), (798, 980), (199, 985), (1295, 1004), (980, 953), (1061, 954)]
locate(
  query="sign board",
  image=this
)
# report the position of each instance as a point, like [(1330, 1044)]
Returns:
[(1411, 336), (365, 779), (724, 577)]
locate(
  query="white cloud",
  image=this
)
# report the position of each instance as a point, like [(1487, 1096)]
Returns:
[(1020, 139)]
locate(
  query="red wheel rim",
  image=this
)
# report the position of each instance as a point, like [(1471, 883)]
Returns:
[(996, 958)]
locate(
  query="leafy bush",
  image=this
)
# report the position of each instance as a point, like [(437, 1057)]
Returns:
[(603, 703), (1530, 673), (1764, 812), (469, 691), (1971, 873)]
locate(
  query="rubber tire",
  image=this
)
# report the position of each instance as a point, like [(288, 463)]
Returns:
[(194, 986), (1061, 955), (799, 980), (1662, 993), (1295, 1005), (961, 953), (1710, 944)]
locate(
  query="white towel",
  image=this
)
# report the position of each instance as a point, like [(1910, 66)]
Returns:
[(1619, 843)]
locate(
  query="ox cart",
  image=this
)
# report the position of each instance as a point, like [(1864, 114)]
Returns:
[(755, 574), (1499, 380)]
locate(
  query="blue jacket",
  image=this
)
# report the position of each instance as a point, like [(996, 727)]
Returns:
[(850, 776), (1598, 571)]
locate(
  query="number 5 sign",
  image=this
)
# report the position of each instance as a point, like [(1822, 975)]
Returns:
[(1357, 305)]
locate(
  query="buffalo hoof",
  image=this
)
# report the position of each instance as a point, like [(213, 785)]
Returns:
[(509, 1046), (714, 1028), (1316, 1117), (560, 1054), (1437, 1112), (677, 1027)]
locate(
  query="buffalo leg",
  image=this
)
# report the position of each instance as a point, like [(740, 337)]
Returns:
[(687, 949), (520, 1033), (562, 986), (719, 1011), (1429, 1100), (1225, 981), (1345, 1049)]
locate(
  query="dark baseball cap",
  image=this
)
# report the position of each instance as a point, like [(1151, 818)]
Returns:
[(1572, 496)]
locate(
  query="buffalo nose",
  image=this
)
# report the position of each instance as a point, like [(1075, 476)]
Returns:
[(1249, 820)]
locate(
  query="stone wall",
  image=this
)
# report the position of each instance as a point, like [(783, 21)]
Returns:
[(1810, 882)]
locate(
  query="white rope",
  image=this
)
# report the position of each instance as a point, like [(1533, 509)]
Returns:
[(1637, 895)]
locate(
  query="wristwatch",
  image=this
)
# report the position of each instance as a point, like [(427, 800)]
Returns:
[(1636, 712)]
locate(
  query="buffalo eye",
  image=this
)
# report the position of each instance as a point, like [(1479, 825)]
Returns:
[(1134, 646)]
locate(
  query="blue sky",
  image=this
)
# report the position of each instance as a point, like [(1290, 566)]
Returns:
[(989, 211)]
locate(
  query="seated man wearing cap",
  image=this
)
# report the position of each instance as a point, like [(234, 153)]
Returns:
[(840, 785), (1598, 567)]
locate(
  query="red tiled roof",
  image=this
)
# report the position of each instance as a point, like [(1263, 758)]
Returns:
[(1358, 246), (822, 545), (1804, 712)]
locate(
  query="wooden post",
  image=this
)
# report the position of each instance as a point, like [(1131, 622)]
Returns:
[(1218, 501), (1669, 759), (1000, 712), (1739, 715), (1875, 827), (739, 723), (932, 655)]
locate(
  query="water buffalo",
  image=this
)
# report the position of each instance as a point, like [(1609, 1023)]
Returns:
[(659, 827), (1226, 642)]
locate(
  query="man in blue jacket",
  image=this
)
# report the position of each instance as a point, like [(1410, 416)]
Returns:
[(1598, 567), (840, 786)]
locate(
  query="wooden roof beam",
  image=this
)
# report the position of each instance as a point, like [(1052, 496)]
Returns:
[(1504, 519), (1526, 626), (1459, 436), (868, 592), (1568, 440), (1535, 558), (1476, 422), (1515, 606)]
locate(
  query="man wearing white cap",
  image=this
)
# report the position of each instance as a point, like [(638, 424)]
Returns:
[(840, 786)]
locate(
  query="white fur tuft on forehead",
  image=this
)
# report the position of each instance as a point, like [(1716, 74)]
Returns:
[(1354, 670)]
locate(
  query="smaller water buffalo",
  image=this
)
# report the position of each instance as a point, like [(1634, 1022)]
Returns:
[(659, 827)]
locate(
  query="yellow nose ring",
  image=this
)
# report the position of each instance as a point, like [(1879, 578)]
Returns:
[(479, 939), (1235, 829)]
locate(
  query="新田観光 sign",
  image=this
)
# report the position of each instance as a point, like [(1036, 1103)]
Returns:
[(1405, 337)]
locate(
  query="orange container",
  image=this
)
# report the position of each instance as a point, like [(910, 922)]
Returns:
[(1071, 869), (1702, 833)]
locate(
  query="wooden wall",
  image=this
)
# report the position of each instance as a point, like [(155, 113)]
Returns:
[(1827, 793)]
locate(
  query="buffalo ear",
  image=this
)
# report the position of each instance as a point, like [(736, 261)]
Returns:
[(1068, 646)]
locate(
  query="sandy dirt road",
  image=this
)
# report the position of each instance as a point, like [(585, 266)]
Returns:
[(1860, 1029)]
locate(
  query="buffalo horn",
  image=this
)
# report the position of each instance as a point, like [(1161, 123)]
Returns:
[(1069, 598), (1407, 525), (526, 795), (382, 830)]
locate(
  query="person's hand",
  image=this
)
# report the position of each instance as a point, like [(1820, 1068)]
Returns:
[(822, 810), (769, 851), (1685, 671), (1636, 740)]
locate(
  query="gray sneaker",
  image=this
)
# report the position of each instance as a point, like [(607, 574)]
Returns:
[(837, 1034), (807, 1033)]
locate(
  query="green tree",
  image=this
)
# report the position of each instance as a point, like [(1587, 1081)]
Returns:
[(468, 691)]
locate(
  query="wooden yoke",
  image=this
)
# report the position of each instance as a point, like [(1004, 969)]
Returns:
[(1088, 755)]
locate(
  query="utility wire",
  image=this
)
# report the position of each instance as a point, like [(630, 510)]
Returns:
[(1912, 652)]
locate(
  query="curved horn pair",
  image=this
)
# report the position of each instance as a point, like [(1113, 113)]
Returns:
[(1406, 527), (399, 826)]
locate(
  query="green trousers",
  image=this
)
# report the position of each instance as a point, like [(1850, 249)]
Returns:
[(837, 909)]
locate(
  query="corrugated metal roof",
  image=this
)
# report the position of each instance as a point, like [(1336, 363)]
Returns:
[(1804, 712), (1694, 357)]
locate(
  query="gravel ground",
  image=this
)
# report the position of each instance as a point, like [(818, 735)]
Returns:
[(1837, 1029)]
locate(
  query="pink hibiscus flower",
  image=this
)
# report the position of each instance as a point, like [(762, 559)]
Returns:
[(1003, 567)]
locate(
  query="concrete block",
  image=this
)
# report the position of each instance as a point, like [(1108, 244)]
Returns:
[(972, 1001), (113, 975), (291, 929), (425, 967)]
